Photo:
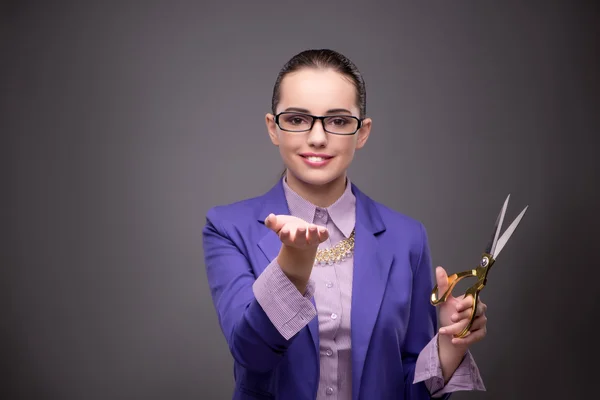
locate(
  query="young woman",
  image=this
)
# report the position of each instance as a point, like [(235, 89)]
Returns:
[(321, 292)]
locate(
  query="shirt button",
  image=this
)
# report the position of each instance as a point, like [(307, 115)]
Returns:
[(329, 390), (329, 284), (329, 352), (334, 316), (320, 214)]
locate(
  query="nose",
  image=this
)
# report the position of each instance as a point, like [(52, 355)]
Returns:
[(317, 137)]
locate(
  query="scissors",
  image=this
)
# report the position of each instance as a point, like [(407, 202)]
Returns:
[(481, 271)]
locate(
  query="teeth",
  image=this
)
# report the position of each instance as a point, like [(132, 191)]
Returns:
[(315, 159)]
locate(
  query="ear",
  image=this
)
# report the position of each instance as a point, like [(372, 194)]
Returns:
[(272, 128), (363, 133)]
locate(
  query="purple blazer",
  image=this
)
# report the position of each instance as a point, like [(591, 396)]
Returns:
[(392, 318)]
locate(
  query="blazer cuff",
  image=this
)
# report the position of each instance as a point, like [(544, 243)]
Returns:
[(288, 310), (428, 369)]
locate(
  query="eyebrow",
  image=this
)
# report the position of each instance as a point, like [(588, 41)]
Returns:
[(331, 111)]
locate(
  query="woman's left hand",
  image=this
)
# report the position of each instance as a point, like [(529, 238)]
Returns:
[(455, 313)]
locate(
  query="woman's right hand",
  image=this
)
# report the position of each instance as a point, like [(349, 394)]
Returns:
[(300, 241), (295, 232)]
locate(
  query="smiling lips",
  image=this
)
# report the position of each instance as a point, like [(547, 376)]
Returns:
[(316, 160)]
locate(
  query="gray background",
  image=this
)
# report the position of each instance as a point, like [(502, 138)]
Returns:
[(123, 124)]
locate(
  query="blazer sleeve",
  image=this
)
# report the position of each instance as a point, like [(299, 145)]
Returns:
[(252, 338), (422, 325)]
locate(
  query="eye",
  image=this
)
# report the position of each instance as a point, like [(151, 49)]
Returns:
[(296, 119), (339, 121)]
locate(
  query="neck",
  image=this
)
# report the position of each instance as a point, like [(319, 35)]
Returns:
[(322, 195)]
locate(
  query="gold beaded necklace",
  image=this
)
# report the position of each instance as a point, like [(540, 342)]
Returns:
[(337, 253)]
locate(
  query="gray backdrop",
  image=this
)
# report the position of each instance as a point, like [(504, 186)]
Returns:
[(123, 124)]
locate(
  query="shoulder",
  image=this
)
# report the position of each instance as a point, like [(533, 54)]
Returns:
[(402, 227), (239, 212), (233, 224), (399, 231), (393, 219), (404, 234), (397, 220), (243, 215)]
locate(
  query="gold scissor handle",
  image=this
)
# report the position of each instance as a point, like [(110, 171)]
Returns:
[(452, 281), (480, 273), (472, 291)]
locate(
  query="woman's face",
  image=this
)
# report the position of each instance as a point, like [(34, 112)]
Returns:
[(317, 157)]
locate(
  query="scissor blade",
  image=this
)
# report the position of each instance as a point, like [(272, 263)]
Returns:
[(507, 234), (492, 244)]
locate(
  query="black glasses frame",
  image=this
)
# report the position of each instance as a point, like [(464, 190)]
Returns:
[(322, 119)]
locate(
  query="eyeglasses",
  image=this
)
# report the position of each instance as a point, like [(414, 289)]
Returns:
[(300, 122)]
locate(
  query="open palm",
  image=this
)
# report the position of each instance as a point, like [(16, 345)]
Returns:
[(295, 232)]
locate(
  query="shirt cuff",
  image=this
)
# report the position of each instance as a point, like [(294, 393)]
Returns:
[(286, 307), (428, 369)]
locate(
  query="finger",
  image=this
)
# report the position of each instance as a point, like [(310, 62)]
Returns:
[(479, 323), (481, 308), (323, 234), (474, 336), (285, 235), (477, 332), (457, 316), (274, 222), (454, 329), (464, 304), (313, 235), (270, 221), (442, 281), (300, 236)]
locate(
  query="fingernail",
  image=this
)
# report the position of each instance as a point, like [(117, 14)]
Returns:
[(443, 330)]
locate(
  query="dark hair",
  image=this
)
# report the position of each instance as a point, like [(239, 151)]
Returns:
[(323, 59)]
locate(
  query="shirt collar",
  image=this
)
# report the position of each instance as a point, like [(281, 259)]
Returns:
[(342, 212)]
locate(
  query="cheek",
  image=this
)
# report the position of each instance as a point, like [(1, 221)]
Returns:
[(347, 147), (288, 146), (289, 143)]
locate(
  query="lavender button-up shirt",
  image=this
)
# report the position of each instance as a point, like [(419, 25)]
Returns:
[(331, 286)]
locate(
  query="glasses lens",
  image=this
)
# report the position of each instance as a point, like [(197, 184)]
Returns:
[(341, 124), (295, 122)]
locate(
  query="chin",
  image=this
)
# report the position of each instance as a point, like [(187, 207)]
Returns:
[(317, 177)]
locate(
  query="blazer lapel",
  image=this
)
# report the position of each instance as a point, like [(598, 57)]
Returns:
[(275, 202), (372, 264)]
